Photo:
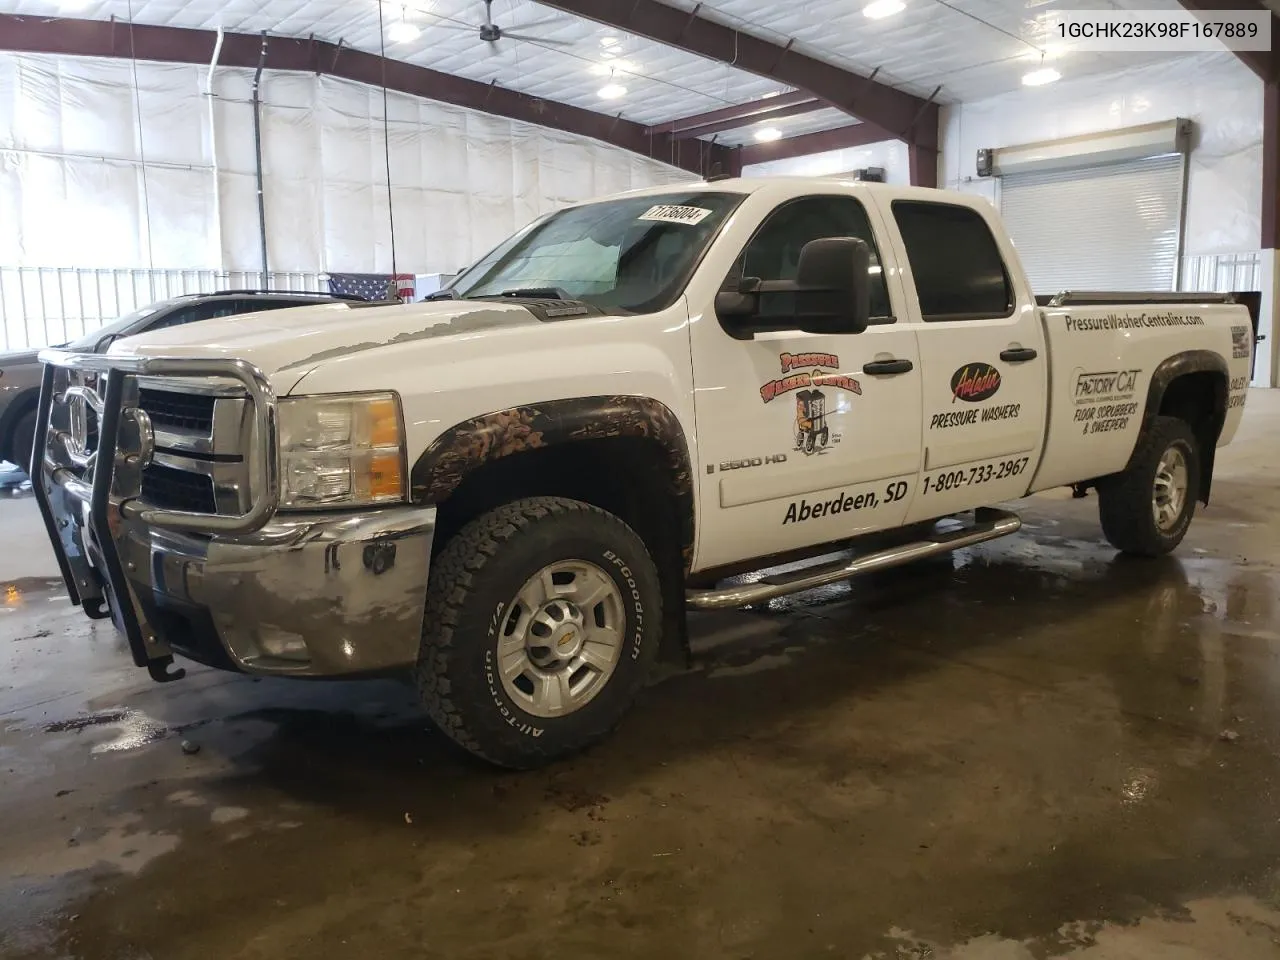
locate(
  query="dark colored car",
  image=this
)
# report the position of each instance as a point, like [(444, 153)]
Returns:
[(20, 371)]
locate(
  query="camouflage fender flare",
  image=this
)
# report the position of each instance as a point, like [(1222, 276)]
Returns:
[(469, 445)]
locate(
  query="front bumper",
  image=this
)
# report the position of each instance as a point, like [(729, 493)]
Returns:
[(316, 595), (320, 594)]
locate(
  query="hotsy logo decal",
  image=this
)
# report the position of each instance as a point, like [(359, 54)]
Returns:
[(974, 382)]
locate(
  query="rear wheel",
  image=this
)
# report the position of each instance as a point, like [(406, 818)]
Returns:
[(543, 618), (1146, 510)]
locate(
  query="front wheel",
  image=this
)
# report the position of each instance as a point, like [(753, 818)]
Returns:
[(543, 618), (1146, 510)]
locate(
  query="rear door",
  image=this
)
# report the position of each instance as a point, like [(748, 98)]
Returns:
[(982, 351)]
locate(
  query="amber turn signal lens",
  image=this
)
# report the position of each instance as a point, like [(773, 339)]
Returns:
[(385, 481), (384, 423)]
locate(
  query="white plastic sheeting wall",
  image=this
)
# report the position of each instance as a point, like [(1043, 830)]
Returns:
[(1222, 97), (72, 191), (890, 154)]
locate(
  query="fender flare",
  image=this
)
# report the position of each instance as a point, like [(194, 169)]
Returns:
[(469, 445), (1169, 370)]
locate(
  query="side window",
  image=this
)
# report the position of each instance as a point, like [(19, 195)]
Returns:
[(276, 303), (254, 306), (194, 312), (957, 266), (774, 252)]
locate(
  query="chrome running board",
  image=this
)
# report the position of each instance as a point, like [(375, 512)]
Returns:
[(988, 524)]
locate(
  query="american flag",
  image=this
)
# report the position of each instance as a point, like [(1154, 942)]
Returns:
[(371, 286)]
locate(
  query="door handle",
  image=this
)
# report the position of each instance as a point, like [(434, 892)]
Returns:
[(1018, 354), (887, 368)]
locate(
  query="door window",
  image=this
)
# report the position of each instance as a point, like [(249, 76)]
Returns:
[(957, 266), (774, 252)]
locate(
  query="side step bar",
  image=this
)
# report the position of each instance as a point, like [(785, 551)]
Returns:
[(988, 524)]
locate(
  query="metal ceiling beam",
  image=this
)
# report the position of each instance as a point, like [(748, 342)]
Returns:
[(898, 113), (120, 40), (740, 115), (922, 163), (1264, 63), (839, 138)]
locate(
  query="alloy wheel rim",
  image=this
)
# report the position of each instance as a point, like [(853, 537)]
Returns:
[(1169, 492), (561, 638)]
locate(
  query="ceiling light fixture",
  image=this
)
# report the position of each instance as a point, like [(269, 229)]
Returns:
[(768, 134), (1038, 78), (611, 91), (402, 32), (879, 9), (609, 41)]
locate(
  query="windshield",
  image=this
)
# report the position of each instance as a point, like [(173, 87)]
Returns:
[(91, 340), (632, 256)]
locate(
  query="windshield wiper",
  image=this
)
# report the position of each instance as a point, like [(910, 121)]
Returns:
[(440, 295)]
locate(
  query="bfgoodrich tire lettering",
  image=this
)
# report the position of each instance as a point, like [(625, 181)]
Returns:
[(1125, 501), (475, 581)]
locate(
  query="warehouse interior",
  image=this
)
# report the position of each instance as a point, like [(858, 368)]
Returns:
[(1035, 747)]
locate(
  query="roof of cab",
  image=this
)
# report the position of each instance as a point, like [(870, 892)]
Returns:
[(805, 184)]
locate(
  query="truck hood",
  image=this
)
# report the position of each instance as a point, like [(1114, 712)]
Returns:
[(288, 344)]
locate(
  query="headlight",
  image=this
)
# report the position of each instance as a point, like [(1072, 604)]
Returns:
[(341, 451)]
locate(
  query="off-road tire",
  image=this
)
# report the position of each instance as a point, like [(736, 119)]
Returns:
[(472, 580), (24, 437), (1125, 500)]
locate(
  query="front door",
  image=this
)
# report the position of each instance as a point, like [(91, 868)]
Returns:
[(803, 438), (985, 367)]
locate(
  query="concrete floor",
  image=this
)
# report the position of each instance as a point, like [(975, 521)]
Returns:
[(1031, 750)]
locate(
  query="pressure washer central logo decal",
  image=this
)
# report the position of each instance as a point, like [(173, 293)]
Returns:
[(814, 377), (811, 431), (975, 382)]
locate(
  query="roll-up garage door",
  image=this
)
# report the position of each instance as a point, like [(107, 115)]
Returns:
[(1109, 227)]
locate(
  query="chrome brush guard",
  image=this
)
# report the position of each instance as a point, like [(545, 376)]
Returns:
[(93, 444)]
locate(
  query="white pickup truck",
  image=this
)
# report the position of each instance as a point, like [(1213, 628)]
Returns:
[(514, 493)]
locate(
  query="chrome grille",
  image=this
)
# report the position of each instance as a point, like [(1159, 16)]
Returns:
[(203, 431), (172, 489), (202, 436), (235, 455), (178, 411)]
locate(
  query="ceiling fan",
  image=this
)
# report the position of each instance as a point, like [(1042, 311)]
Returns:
[(491, 33)]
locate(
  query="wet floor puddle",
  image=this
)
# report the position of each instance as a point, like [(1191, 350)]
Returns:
[(133, 729)]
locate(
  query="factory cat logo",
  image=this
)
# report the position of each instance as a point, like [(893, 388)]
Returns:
[(975, 382)]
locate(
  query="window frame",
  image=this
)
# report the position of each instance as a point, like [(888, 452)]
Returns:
[(1010, 287), (886, 320)]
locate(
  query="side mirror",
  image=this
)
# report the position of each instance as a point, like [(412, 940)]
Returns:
[(831, 293)]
